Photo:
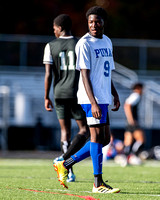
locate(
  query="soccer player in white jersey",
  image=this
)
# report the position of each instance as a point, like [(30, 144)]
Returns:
[(95, 62), (134, 136)]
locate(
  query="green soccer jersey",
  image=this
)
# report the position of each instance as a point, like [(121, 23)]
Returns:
[(66, 76)]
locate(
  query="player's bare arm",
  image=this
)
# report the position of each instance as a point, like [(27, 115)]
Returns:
[(128, 112), (48, 81), (116, 97), (96, 111)]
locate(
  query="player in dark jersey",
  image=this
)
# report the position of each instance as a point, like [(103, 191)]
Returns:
[(133, 136), (59, 59)]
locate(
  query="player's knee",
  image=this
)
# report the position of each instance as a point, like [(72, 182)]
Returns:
[(84, 131)]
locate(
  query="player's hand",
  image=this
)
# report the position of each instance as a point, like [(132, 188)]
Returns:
[(48, 105), (96, 111), (116, 104)]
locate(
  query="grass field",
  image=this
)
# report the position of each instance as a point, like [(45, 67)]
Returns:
[(31, 179)]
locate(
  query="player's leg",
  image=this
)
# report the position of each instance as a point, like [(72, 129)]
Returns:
[(64, 118), (79, 148), (62, 107), (79, 140), (133, 147), (83, 153), (128, 140), (138, 145), (107, 132), (65, 125), (77, 113), (93, 148), (100, 136), (107, 135), (96, 153), (90, 147), (62, 167), (97, 137)]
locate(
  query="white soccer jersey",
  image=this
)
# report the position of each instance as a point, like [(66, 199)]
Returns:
[(96, 55), (133, 99)]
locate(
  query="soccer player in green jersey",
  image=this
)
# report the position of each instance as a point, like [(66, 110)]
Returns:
[(60, 61)]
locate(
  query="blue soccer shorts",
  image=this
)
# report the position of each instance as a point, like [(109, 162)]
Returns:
[(90, 119)]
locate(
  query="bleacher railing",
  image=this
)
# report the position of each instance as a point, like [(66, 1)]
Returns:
[(31, 47), (127, 78)]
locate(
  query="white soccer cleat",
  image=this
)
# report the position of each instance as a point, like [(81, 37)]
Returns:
[(105, 189)]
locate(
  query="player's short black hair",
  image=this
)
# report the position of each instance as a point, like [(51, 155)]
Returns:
[(137, 86), (97, 10), (64, 21)]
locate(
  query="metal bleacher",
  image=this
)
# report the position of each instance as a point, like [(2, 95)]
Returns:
[(31, 85), (22, 85), (149, 107), (20, 76)]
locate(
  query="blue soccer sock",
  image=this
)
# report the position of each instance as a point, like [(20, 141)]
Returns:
[(83, 153), (97, 157)]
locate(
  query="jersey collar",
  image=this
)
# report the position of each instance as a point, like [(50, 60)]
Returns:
[(66, 37)]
